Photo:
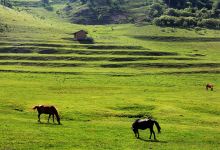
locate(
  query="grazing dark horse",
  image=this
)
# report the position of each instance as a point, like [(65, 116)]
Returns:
[(51, 110), (209, 86), (144, 124)]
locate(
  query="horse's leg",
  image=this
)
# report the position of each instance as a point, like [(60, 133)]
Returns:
[(53, 118), (49, 118), (154, 135), (39, 117), (150, 133), (137, 134)]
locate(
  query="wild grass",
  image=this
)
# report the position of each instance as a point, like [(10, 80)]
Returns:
[(98, 109)]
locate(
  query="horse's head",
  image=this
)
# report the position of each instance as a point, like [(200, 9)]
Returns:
[(35, 107)]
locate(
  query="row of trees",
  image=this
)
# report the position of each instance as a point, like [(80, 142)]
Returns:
[(186, 22), (190, 14)]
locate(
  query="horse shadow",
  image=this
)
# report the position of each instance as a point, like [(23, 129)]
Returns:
[(155, 141), (49, 124)]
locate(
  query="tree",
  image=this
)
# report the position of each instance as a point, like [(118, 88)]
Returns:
[(155, 10)]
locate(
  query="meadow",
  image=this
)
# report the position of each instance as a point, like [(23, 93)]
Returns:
[(130, 72)]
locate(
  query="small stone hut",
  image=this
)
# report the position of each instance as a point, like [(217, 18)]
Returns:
[(80, 35)]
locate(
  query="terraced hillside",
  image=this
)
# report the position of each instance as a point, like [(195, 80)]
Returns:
[(60, 51), (100, 89)]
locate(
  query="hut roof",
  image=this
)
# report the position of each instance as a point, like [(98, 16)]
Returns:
[(81, 31)]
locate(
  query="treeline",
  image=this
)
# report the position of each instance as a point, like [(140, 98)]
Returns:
[(186, 13)]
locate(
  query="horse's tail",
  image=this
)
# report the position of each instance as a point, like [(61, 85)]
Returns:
[(56, 114), (158, 126)]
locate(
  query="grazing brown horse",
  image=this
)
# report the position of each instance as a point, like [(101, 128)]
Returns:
[(51, 110), (144, 124), (209, 86)]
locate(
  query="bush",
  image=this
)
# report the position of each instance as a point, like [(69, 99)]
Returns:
[(186, 13), (172, 21), (189, 22), (204, 13), (210, 23), (179, 13), (166, 21)]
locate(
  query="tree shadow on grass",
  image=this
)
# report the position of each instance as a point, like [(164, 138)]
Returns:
[(156, 141)]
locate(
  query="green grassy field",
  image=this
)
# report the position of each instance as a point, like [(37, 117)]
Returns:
[(100, 89)]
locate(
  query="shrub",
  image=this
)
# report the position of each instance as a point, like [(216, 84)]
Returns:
[(210, 23), (186, 13), (178, 13), (166, 21), (190, 21), (172, 21), (204, 13)]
